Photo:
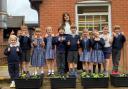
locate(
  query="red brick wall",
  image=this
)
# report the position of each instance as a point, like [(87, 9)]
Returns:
[(120, 14), (51, 12)]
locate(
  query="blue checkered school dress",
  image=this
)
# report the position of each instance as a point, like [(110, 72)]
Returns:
[(97, 56), (50, 52), (86, 55), (38, 54)]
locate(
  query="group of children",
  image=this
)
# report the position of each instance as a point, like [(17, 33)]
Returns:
[(92, 50)]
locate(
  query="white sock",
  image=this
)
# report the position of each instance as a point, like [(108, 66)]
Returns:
[(42, 72), (49, 71), (52, 71), (13, 82)]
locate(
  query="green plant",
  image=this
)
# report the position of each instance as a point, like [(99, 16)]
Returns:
[(28, 76), (123, 75), (92, 75), (64, 76)]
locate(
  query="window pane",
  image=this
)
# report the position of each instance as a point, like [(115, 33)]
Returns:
[(90, 9)]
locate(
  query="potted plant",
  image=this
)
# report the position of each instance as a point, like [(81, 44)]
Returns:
[(62, 81), (119, 80), (94, 80), (29, 81)]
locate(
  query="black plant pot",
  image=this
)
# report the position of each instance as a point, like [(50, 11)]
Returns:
[(95, 82), (63, 83), (28, 83), (118, 81)]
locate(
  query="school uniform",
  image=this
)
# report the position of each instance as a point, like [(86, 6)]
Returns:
[(60, 52), (85, 44), (73, 48), (97, 55), (107, 50), (49, 48), (25, 44), (117, 45), (38, 54), (13, 59)]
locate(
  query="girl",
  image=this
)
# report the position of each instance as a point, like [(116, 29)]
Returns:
[(66, 23), (13, 53), (85, 56), (107, 48), (117, 45), (50, 52), (38, 59), (97, 55), (25, 44), (60, 42)]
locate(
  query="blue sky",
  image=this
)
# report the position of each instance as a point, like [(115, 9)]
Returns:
[(22, 8)]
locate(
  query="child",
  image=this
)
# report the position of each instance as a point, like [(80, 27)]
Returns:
[(97, 55), (73, 41), (85, 56), (50, 52), (117, 45), (25, 44), (38, 59), (60, 42), (13, 53), (107, 48)]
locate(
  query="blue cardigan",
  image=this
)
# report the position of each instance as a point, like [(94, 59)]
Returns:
[(13, 56), (118, 42), (73, 42)]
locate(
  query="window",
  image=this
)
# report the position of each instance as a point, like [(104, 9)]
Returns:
[(93, 15)]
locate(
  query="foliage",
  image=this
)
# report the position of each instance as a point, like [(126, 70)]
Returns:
[(92, 75), (62, 76), (28, 76)]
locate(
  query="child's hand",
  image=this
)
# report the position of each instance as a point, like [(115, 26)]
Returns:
[(80, 51), (97, 39), (122, 33), (62, 38), (9, 49), (17, 49), (34, 43), (43, 44), (78, 42), (68, 43), (114, 34), (46, 35)]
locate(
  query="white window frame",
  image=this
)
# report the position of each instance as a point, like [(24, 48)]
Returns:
[(95, 3)]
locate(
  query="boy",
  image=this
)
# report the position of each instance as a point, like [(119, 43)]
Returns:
[(25, 44), (117, 45), (60, 42), (73, 41)]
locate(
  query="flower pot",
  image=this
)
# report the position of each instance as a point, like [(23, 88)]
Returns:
[(28, 83), (63, 83), (95, 82), (118, 81)]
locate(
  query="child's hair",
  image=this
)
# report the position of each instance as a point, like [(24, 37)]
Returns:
[(49, 27), (24, 27), (73, 27), (63, 19), (116, 27), (37, 30), (61, 28), (12, 37), (85, 30)]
